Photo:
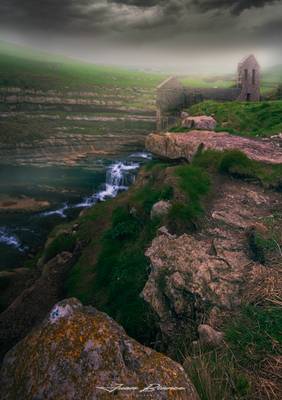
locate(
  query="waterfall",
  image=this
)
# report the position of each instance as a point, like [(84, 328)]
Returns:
[(8, 239), (60, 211), (118, 177)]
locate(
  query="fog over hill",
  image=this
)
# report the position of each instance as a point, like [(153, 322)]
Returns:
[(184, 35)]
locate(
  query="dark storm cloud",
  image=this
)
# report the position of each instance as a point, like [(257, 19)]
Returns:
[(61, 14), (235, 6), (180, 25)]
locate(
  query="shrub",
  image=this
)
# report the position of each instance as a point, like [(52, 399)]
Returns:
[(124, 225), (235, 161), (237, 164), (208, 160)]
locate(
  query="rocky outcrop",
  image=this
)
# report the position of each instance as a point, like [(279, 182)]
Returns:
[(202, 122), (176, 146), (107, 96), (80, 353), (197, 277), (22, 204), (160, 209), (31, 306), (68, 149)]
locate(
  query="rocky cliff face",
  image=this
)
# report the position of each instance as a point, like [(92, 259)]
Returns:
[(69, 149), (12, 98), (185, 145), (80, 353), (32, 304), (198, 277), (61, 128)]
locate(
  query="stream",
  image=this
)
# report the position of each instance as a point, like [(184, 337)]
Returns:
[(68, 190)]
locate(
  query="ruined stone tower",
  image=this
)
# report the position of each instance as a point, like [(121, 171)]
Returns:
[(172, 96), (249, 79)]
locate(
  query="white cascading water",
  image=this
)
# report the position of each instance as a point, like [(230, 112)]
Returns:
[(119, 176), (9, 239), (60, 211)]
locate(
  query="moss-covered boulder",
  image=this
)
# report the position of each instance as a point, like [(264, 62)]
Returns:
[(80, 353)]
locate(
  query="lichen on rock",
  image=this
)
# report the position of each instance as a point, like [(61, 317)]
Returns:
[(80, 353)]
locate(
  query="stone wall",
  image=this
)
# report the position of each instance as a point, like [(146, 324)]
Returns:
[(170, 95), (195, 95)]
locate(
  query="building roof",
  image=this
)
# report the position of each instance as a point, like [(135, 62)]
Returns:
[(247, 58), (165, 82)]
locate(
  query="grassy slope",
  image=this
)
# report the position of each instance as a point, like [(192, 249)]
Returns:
[(252, 119), (24, 67), (112, 269), (27, 68)]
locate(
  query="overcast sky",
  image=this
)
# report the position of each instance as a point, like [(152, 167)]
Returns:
[(183, 35)]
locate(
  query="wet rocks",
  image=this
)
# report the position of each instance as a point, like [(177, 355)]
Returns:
[(81, 353)]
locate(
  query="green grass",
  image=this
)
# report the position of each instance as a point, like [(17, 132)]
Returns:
[(122, 271), (26, 68), (247, 119), (216, 376), (237, 164), (203, 81), (256, 333), (63, 242), (194, 182), (113, 269)]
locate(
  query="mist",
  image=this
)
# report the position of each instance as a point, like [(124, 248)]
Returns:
[(184, 36)]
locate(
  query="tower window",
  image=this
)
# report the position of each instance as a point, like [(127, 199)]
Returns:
[(253, 76), (246, 74)]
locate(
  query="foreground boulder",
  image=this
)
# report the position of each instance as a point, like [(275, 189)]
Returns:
[(80, 353), (185, 145), (200, 122)]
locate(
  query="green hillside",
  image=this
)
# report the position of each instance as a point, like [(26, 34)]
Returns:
[(28, 68), (24, 67), (273, 74)]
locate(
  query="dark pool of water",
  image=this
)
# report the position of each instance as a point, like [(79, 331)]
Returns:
[(68, 189)]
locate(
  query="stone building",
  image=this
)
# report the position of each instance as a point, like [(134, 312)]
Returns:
[(172, 96), (249, 79)]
